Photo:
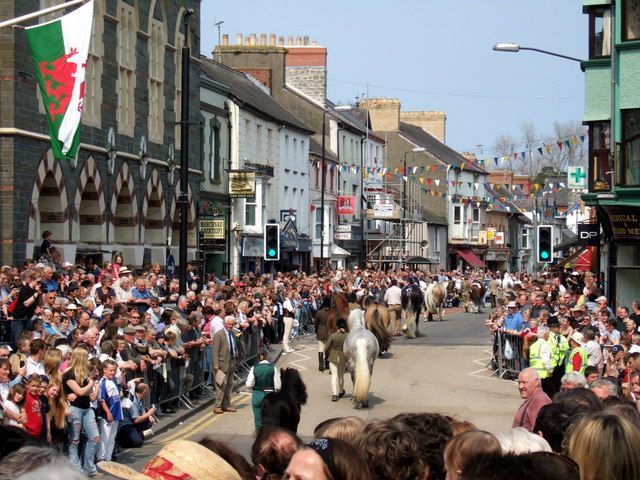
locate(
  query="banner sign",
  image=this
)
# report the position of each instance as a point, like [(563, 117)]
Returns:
[(242, 184), (346, 205)]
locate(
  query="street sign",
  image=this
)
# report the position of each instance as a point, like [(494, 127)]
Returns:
[(342, 228), (577, 178), (342, 236)]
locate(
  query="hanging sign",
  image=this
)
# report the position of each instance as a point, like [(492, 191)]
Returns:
[(346, 205)]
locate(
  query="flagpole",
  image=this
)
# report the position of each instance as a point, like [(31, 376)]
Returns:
[(39, 13)]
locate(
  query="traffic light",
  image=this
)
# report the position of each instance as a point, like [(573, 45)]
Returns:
[(545, 243), (271, 242)]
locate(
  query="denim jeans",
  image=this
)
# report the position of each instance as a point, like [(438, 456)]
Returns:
[(83, 419)]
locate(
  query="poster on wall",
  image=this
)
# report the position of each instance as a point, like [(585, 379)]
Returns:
[(491, 233), (499, 238), (346, 205)]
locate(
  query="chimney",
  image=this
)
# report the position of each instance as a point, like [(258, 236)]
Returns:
[(433, 123), (247, 41), (306, 69), (225, 40), (281, 41), (263, 39), (272, 40), (238, 39), (384, 113)]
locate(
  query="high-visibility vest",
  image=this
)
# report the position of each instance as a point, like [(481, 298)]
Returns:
[(583, 356), (535, 360), (559, 349)]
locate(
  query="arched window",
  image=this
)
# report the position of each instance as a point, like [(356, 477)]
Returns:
[(91, 109), (157, 40), (126, 55)]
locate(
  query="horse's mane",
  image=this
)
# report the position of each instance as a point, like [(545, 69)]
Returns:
[(282, 409), (293, 384), (340, 301)]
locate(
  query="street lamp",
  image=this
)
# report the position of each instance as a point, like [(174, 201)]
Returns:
[(514, 47), (404, 196), (337, 108)]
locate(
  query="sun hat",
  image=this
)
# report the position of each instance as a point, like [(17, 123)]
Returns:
[(512, 304), (124, 271), (601, 298), (71, 306), (178, 459)]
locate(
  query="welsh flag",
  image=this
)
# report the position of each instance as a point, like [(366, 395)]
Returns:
[(59, 52)]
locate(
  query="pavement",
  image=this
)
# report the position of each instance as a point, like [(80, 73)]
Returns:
[(443, 371)]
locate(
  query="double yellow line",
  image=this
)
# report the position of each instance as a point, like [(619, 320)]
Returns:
[(203, 423)]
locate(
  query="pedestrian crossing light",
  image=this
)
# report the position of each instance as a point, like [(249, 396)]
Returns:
[(545, 243), (271, 251)]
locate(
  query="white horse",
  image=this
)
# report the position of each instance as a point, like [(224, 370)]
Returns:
[(360, 350), (434, 298)]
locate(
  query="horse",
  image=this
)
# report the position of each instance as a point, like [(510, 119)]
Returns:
[(434, 298), (360, 350), (282, 409), (411, 299), (340, 310), (376, 317)]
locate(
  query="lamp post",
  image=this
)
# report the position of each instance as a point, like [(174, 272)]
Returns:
[(404, 196), (514, 47), (338, 108)]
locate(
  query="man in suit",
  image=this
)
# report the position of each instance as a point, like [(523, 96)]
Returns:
[(224, 355)]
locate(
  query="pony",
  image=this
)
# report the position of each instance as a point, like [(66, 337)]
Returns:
[(411, 299), (474, 296), (360, 350), (376, 318), (340, 310), (282, 409), (434, 298)]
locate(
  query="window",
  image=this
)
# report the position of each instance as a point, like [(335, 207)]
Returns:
[(600, 168), (318, 229), (457, 214), (475, 222), (436, 240), (214, 149), (250, 212), (259, 151), (457, 230), (630, 20), (177, 101), (316, 168), (331, 178), (93, 74), (599, 33), (156, 78), (630, 168), (525, 239), (285, 202), (126, 55)]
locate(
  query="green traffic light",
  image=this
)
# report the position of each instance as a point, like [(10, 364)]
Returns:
[(544, 255), (271, 252)]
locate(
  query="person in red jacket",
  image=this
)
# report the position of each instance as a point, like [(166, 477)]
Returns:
[(33, 406)]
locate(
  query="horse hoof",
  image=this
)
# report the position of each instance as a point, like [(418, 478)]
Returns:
[(364, 404)]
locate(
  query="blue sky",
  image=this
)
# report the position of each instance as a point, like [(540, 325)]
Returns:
[(436, 55)]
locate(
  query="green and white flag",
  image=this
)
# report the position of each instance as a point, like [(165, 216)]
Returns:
[(59, 52)]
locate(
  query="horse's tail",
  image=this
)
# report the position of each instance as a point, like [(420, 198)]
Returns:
[(381, 333), (362, 380), (410, 319)]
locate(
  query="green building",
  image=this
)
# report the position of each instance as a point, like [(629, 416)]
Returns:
[(612, 113)]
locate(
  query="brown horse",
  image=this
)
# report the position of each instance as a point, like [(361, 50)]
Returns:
[(376, 320), (340, 310)]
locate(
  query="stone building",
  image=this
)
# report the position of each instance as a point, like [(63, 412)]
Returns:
[(119, 194)]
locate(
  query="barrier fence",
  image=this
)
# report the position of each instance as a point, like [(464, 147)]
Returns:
[(509, 356)]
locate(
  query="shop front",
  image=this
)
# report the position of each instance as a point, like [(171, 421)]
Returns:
[(212, 244), (295, 249), (621, 226), (497, 258)]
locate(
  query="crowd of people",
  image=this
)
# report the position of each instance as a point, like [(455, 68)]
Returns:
[(93, 356)]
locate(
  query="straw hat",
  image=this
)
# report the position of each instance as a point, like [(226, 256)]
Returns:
[(178, 459)]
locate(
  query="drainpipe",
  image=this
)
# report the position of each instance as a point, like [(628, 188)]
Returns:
[(229, 216)]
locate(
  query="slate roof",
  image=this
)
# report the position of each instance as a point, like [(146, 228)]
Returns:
[(315, 147), (246, 92), (436, 148)]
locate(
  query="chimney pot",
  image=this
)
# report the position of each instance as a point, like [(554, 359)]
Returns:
[(281, 40), (298, 40), (247, 40), (272, 39), (314, 43), (238, 39), (290, 40), (305, 40), (254, 39), (225, 39), (263, 39)]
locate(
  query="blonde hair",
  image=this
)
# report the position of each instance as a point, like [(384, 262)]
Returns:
[(79, 365), (461, 426), (604, 446), (347, 429), (52, 361), (462, 448), (57, 406)]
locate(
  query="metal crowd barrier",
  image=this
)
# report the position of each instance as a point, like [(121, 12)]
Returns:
[(509, 358)]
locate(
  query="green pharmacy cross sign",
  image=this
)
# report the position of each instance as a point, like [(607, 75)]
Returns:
[(577, 177)]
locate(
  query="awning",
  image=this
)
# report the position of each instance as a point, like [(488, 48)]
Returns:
[(419, 261), (337, 251), (471, 258), (578, 260)]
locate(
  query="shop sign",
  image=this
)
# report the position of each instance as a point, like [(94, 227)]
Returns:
[(242, 184), (343, 228), (385, 210), (212, 229), (482, 237), (623, 222), (346, 205), (577, 177), (289, 237), (499, 238), (342, 236), (491, 233), (588, 234)]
